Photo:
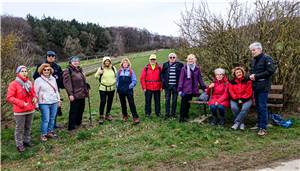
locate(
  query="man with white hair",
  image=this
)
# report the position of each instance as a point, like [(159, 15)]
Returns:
[(262, 69)]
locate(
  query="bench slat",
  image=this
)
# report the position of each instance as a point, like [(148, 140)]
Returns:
[(275, 105), (197, 102), (275, 96), (276, 87)]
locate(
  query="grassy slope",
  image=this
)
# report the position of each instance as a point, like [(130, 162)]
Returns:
[(153, 142)]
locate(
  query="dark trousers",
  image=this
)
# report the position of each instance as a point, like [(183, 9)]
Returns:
[(58, 113), (168, 93), (130, 100), (185, 107), (214, 111), (106, 97), (261, 100), (148, 97), (76, 112)]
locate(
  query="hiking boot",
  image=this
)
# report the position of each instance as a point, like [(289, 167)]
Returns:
[(21, 148), (262, 132), (27, 144), (44, 138), (235, 126), (51, 135), (136, 120), (242, 127), (222, 122), (108, 117), (101, 120), (125, 118)]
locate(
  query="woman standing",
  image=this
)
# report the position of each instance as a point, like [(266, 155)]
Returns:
[(126, 81), (48, 99), (240, 91), (190, 78), (219, 99), (77, 90), (106, 74), (21, 95)]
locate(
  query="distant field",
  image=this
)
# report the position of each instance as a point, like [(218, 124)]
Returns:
[(153, 144)]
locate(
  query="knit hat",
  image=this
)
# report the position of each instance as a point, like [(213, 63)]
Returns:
[(152, 56), (50, 52), (19, 68), (74, 59), (238, 68)]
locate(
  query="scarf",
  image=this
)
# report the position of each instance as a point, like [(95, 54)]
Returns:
[(189, 68), (25, 83)]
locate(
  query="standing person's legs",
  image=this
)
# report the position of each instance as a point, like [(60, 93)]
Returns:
[(52, 115), (45, 111), (157, 102), (27, 128), (132, 106), (81, 105), (19, 131), (102, 102), (262, 109), (109, 101), (184, 107), (174, 102), (168, 98), (148, 97), (73, 114), (123, 104)]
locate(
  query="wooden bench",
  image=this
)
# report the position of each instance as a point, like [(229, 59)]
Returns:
[(275, 99)]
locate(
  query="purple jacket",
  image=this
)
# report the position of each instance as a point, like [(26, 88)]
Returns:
[(190, 86)]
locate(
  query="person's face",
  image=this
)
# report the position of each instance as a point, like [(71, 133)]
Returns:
[(46, 71), (255, 52), (152, 61), (219, 77), (238, 74), (172, 59), (190, 60), (51, 58), (23, 73), (107, 63), (125, 64), (75, 63)]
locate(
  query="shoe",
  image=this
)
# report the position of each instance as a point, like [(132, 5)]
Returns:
[(158, 115), (21, 148), (213, 122), (51, 135), (255, 127), (222, 122), (235, 126), (242, 127), (27, 144), (108, 117), (44, 138), (101, 120), (136, 120), (148, 115), (262, 132), (183, 120), (125, 118)]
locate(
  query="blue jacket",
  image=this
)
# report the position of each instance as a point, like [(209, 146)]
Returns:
[(125, 81)]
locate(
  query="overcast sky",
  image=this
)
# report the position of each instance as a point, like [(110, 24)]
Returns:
[(157, 16)]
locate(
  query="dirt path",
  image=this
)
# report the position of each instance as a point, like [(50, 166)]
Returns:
[(293, 165)]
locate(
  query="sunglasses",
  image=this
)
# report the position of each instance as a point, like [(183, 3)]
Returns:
[(172, 57), (53, 56), (46, 69), (23, 71), (152, 59)]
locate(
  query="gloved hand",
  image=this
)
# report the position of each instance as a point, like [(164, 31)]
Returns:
[(131, 86), (181, 94)]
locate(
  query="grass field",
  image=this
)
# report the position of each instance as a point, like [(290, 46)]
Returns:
[(153, 144)]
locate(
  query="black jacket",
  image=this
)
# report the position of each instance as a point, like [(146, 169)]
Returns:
[(263, 67), (164, 75), (57, 74)]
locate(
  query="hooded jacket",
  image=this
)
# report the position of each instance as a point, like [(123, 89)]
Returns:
[(240, 89), (106, 76), (219, 93), (150, 78)]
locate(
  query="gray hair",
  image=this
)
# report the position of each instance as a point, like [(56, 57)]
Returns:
[(172, 55), (255, 45), (219, 71)]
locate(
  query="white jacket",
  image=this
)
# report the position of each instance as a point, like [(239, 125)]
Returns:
[(46, 93)]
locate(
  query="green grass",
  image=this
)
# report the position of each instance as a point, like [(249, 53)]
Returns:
[(118, 145)]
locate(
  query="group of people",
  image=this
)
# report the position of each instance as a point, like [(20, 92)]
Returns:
[(173, 77)]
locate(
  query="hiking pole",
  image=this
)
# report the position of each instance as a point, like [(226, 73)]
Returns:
[(89, 101)]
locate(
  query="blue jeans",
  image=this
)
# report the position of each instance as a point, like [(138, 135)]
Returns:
[(240, 111), (48, 117), (261, 100), (214, 110)]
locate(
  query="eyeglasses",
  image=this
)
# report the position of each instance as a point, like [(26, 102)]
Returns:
[(172, 57), (46, 69), (53, 56), (23, 71), (152, 59)]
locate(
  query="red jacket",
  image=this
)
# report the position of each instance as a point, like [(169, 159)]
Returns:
[(219, 93), (16, 95), (240, 89), (150, 79)]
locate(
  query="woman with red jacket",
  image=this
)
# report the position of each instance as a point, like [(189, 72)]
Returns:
[(151, 85), (219, 99), (240, 91), (21, 95)]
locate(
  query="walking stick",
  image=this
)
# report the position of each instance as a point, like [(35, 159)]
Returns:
[(89, 101)]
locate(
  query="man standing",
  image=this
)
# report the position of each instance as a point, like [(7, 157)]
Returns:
[(57, 74), (262, 69), (170, 77)]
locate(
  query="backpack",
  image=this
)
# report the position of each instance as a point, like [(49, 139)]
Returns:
[(278, 120), (114, 70)]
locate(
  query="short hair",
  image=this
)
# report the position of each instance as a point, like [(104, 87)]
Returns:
[(219, 71), (45, 65), (255, 45), (191, 56), (172, 55)]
